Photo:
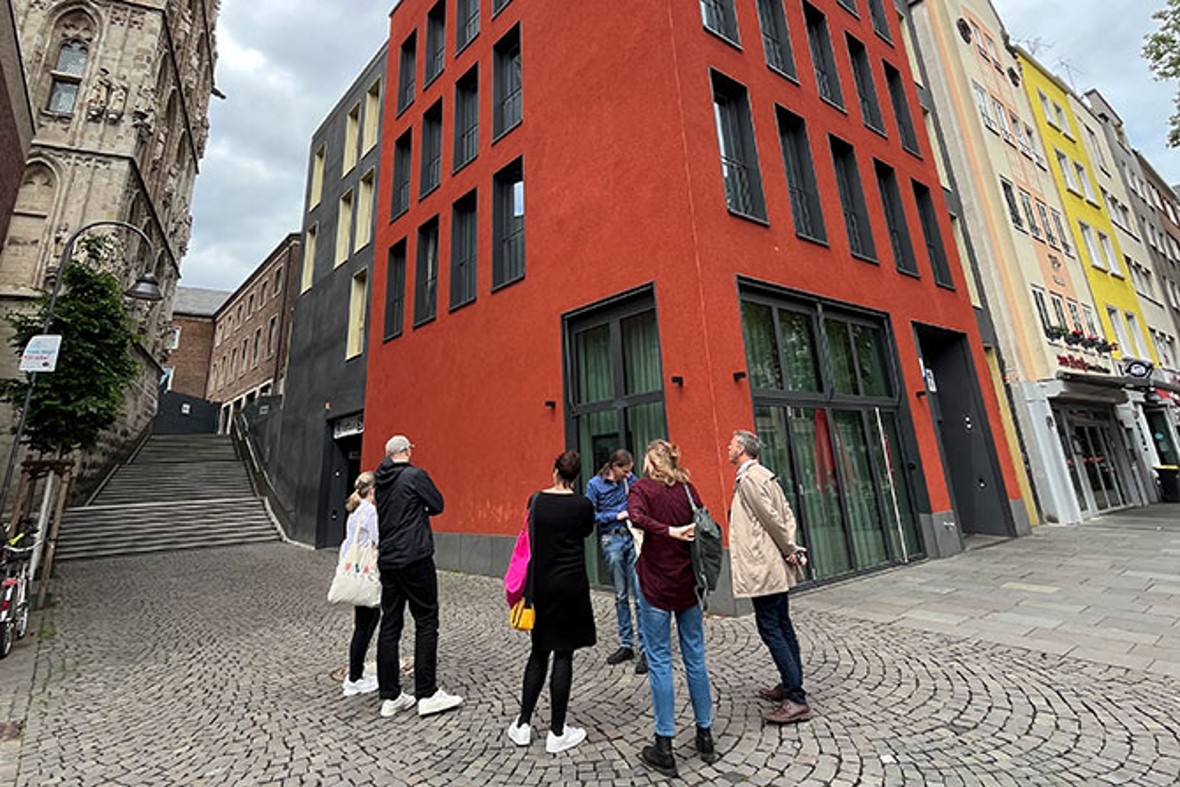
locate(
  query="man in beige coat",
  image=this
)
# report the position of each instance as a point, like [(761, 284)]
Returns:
[(766, 562)]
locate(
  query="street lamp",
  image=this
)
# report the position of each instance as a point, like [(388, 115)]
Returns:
[(146, 288)]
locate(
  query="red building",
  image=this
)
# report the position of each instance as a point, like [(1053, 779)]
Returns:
[(603, 228)]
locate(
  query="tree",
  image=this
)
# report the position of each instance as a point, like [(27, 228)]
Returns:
[(72, 406), (1162, 51)]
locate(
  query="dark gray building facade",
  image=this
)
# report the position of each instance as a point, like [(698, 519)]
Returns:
[(315, 455)]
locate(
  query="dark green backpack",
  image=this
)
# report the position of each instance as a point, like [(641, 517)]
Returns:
[(706, 551)]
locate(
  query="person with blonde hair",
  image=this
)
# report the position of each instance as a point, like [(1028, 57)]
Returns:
[(361, 528), (662, 506)]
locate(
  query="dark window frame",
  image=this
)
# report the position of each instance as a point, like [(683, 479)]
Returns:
[(823, 58), (395, 290), (466, 141), (466, 27), (464, 250), (407, 72), (776, 39), (508, 238), (737, 148), (430, 175), (858, 226), (720, 18), (893, 208), (426, 278), (802, 186), (403, 157), (901, 108), (507, 83), (866, 88), (435, 60), (935, 248)]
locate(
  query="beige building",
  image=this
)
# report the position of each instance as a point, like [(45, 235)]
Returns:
[(1028, 266), (250, 333), (120, 92)]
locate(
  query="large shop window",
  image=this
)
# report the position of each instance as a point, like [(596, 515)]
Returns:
[(827, 408)]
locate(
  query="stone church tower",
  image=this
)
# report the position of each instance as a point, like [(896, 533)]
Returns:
[(120, 92)]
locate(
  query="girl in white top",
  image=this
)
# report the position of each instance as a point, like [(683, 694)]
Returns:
[(362, 528)]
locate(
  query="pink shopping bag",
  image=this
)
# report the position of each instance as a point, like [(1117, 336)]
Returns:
[(518, 566)]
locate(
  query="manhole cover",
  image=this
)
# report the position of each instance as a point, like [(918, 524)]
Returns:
[(10, 730)]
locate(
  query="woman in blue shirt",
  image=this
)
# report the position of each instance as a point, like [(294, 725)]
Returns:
[(608, 492)]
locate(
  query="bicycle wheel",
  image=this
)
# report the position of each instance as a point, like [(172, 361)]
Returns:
[(6, 638), (20, 621)]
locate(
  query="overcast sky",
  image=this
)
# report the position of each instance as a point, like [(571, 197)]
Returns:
[(283, 64)]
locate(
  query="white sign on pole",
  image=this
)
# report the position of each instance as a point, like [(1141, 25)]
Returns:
[(40, 353)]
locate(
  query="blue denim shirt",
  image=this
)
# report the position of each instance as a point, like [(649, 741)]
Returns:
[(608, 498)]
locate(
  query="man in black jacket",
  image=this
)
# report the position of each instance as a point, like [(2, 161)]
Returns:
[(406, 499)]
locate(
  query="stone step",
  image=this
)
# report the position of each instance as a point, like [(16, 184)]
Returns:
[(108, 550), (83, 526)]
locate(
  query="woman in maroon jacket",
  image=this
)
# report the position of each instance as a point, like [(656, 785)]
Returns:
[(659, 505)]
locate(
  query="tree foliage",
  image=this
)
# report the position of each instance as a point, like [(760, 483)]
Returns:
[(71, 406), (1162, 51)]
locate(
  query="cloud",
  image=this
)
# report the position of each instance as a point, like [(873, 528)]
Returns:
[(283, 65)]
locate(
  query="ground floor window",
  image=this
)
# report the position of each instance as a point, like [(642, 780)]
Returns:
[(826, 407), (1095, 456)]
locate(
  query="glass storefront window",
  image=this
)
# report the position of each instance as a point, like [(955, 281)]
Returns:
[(841, 356), (892, 480), (762, 359), (860, 490), (799, 351), (641, 354), (819, 491), (594, 370), (872, 367)]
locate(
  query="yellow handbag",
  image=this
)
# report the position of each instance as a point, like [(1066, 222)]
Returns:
[(522, 616)]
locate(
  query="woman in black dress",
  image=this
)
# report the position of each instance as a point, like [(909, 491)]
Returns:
[(562, 519)]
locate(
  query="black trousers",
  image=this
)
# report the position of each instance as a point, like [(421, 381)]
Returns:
[(560, 681), (417, 586), (365, 626)]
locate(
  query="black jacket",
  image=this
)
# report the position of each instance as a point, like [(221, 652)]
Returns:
[(406, 499)]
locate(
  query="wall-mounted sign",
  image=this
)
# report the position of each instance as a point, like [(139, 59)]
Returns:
[(40, 353), (1134, 367), (354, 424)]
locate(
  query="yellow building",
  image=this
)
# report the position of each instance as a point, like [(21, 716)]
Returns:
[(1102, 425), (1119, 311)]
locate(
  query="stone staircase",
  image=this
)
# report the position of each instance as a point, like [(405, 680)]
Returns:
[(177, 492)]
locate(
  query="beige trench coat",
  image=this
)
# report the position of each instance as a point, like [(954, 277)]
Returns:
[(761, 535)]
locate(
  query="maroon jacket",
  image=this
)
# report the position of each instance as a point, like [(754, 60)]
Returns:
[(665, 564)]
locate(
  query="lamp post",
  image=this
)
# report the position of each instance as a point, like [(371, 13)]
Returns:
[(146, 288)]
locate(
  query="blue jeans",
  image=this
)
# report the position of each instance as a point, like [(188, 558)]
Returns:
[(772, 615), (618, 550), (657, 633)]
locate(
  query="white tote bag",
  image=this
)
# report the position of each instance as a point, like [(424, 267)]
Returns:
[(357, 580)]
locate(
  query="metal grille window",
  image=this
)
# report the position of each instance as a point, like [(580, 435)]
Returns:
[(880, 19), (436, 42), (432, 122), (899, 232), (1026, 203), (852, 199), (719, 17), (1044, 213), (395, 290), (866, 91), (508, 86), (464, 241), (67, 77), (739, 155), (467, 117), (466, 23), (1060, 225), (776, 39), (426, 275), (934, 248), (405, 75), (508, 225), (402, 152), (822, 59), (901, 109), (804, 192)]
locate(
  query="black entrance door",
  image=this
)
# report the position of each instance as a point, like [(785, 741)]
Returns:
[(968, 454)]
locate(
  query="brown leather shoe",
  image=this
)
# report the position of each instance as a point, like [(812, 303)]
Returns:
[(787, 713), (772, 695)]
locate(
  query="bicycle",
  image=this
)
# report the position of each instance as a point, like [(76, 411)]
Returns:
[(14, 592)]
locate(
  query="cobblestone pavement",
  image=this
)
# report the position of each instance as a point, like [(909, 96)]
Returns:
[(214, 668)]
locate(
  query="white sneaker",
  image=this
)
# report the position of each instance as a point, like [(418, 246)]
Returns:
[(393, 707), (567, 740), (520, 734), (437, 703), (366, 685)]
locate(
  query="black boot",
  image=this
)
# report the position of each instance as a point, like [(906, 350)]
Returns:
[(705, 746), (659, 756)]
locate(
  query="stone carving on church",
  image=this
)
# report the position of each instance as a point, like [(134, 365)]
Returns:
[(117, 102), (99, 97)]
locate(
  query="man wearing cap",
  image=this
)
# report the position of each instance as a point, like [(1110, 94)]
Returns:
[(406, 499)]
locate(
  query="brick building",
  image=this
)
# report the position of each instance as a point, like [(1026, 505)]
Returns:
[(191, 342), (732, 219), (250, 333)]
